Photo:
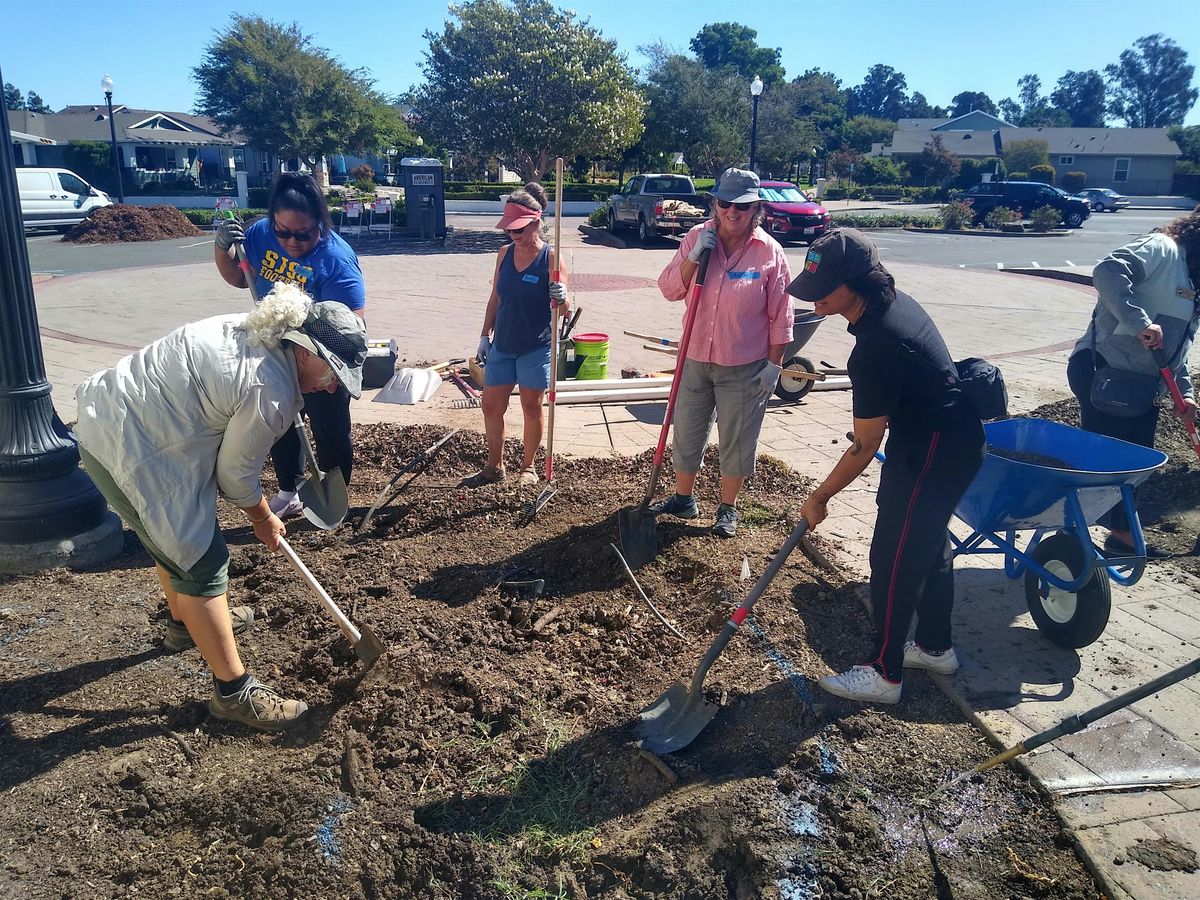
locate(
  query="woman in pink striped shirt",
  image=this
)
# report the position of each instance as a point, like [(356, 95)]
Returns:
[(742, 325)]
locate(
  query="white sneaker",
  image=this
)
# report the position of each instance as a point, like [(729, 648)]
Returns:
[(862, 683), (945, 663), (286, 505)]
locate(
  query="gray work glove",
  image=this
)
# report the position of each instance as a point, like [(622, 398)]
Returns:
[(481, 352), (558, 293), (230, 232), (706, 240), (767, 378)]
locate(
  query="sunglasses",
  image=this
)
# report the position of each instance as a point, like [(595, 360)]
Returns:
[(517, 232), (303, 236), (725, 204)]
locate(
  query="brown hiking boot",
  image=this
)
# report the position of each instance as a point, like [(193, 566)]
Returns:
[(258, 706), (176, 637)]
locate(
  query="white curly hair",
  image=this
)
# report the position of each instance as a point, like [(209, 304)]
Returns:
[(285, 308)]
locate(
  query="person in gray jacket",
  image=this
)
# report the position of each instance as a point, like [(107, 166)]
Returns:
[(196, 413), (1146, 301)]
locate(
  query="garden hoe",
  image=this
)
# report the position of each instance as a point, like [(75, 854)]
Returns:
[(532, 509), (673, 721), (1076, 723), (420, 463), (639, 536)]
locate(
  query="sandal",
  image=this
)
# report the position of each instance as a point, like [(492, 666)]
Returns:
[(529, 476), (484, 476)]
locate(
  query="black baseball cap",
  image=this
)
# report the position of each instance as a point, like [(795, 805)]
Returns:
[(836, 257)]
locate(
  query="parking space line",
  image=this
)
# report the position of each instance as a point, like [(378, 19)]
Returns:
[(1069, 263), (999, 265), (1036, 264)]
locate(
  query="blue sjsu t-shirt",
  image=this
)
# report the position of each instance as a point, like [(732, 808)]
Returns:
[(329, 271)]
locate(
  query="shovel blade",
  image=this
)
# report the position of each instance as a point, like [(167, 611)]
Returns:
[(325, 498), (674, 719), (639, 536), (369, 647)]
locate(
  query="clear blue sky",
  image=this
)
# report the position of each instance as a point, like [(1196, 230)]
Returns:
[(62, 48)]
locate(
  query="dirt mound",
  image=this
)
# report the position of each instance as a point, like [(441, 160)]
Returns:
[(122, 222), (490, 754)]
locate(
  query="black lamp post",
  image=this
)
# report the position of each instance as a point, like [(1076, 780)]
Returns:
[(50, 512), (106, 85), (756, 88)]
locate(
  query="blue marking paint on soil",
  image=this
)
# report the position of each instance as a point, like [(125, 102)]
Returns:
[(795, 678), (326, 834), (802, 819)]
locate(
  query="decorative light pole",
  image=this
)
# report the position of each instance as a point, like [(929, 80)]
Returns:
[(50, 512), (106, 85), (756, 88)]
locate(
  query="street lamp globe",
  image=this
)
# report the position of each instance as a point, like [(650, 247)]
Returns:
[(106, 84), (756, 86)]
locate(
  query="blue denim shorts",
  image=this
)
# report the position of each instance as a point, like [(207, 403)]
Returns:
[(530, 370)]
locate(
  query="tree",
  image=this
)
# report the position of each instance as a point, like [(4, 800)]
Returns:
[(1033, 110), (34, 103), (93, 161), (819, 97), (703, 113), (784, 138), (881, 94), (290, 98), (1080, 96), (12, 97), (1022, 156), (728, 44), (919, 108), (1188, 139), (968, 101), (1151, 86), (936, 164), (527, 82), (861, 132)]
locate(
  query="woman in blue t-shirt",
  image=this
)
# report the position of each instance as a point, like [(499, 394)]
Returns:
[(295, 242), (515, 341)]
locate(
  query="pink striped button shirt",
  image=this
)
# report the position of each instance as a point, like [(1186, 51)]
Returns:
[(744, 304)]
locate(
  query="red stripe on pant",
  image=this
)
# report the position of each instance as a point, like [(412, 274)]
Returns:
[(891, 595)]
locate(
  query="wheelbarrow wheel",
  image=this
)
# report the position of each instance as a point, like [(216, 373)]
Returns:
[(793, 389), (1069, 619)]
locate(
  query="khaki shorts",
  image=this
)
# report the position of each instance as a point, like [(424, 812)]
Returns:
[(726, 395), (209, 577)]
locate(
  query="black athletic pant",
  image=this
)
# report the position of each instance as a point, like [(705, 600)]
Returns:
[(329, 422), (924, 477), (1081, 371)]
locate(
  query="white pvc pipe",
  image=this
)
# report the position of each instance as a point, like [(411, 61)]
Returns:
[(836, 383)]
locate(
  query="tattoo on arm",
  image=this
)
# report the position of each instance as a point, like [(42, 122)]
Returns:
[(857, 448)]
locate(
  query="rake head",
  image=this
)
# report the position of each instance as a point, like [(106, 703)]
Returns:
[(467, 403)]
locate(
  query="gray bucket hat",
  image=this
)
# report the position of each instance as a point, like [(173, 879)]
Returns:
[(339, 337), (736, 186)]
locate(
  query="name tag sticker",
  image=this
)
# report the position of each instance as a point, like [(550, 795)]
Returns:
[(1186, 294), (748, 276)]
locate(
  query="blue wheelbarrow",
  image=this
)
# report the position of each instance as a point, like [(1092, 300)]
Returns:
[(790, 387), (1066, 575)]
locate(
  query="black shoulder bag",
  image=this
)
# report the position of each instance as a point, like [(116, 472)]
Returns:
[(1120, 392)]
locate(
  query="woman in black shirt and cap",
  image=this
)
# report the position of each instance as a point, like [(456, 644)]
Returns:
[(905, 383)]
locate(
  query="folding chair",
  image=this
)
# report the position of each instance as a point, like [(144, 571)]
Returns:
[(380, 217), (352, 218)]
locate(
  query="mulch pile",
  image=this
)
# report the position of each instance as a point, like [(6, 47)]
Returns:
[(114, 224)]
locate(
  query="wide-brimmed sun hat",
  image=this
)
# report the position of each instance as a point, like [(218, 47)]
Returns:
[(517, 216), (339, 337), (834, 258), (736, 186)]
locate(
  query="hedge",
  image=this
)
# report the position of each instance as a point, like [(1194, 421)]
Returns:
[(868, 191), (887, 220)]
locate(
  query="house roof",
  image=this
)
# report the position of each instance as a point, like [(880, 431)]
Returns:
[(136, 126), (1060, 141)]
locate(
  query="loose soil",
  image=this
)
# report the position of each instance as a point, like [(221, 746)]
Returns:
[(122, 222), (490, 753)]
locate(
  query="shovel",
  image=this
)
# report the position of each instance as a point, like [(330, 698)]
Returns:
[(367, 645), (323, 494), (411, 386), (1077, 722), (1164, 369), (639, 537), (674, 719)]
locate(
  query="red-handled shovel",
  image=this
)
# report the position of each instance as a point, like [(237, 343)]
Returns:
[(1164, 369)]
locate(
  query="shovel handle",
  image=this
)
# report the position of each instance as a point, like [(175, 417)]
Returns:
[(1164, 370), (244, 264), (352, 634), (307, 445)]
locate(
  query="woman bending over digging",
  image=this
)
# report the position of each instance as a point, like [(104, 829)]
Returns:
[(514, 345), (194, 413)]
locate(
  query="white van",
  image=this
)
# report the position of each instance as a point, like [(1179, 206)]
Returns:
[(56, 197)]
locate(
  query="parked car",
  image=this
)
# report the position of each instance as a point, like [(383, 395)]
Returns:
[(1103, 199), (657, 204), (1025, 197), (56, 197), (790, 214)]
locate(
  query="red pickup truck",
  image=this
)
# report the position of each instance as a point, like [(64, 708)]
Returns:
[(790, 214)]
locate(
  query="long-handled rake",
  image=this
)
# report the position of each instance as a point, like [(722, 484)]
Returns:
[(471, 398)]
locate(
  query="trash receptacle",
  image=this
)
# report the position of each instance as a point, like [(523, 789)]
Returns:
[(424, 198)]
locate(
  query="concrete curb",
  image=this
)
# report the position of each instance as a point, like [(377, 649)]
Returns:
[(1056, 275), (980, 232), (603, 236)]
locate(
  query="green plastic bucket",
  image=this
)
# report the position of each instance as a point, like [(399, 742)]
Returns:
[(591, 350)]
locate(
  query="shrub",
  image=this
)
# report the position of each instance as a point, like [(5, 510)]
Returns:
[(1001, 216), (955, 215), (995, 165), (886, 220), (363, 172), (598, 217), (204, 216), (878, 170), (1045, 218), (1017, 176), (1074, 182), (1044, 173)]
